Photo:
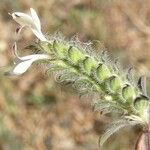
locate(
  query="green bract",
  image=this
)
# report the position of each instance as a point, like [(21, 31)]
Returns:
[(103, 72), (89, 64), (128, 93), (114, 84), (74, 55), (142, 104), (60, 49)]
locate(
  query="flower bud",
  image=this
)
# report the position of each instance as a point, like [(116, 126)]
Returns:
[(75, 55), (128, 93), (142, 105), (88, 64), (103, 72), (115, 83), (60, 49)]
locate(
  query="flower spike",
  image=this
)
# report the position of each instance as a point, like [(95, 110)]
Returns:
[(74, 63)]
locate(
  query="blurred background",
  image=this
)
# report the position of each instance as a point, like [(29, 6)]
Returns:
[(36, 113)]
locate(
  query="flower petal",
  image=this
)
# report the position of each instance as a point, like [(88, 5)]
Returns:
[(39, 35), (32, 22), (21, 67), (23, 63), (36, 19), (23, 19), (35, 57)]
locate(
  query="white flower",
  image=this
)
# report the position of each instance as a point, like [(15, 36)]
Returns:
[(23, 63), (32, 21)]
